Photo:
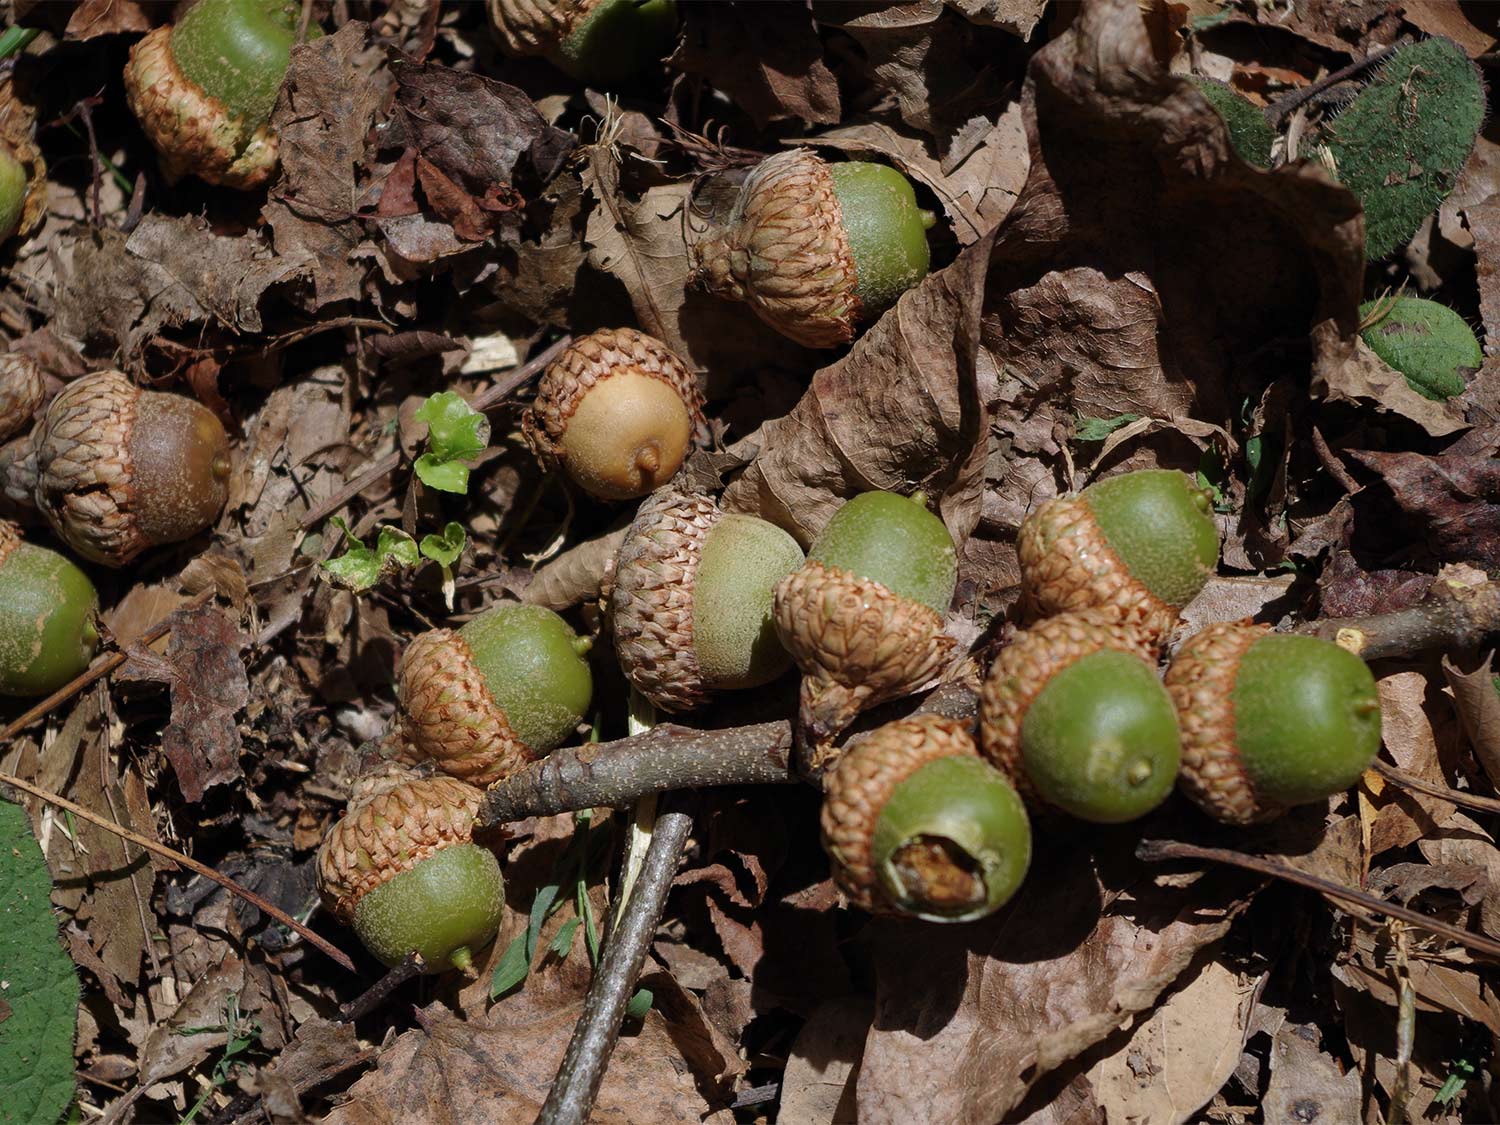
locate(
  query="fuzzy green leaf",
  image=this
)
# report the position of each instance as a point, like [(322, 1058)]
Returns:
[(639, 1004), (40, 1001), (1097, 429), (1250, 134)]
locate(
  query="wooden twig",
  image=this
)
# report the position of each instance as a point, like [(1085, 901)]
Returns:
[(571, 1099), (186, 861), (1454, 614), (1282, 108), (1157, 851), (371, 998), (101, 667), (487, 399), (1411, 781)]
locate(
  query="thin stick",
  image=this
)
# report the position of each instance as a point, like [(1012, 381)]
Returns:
[(1280, 109), (101, 667), (1452, 796), (1454, 614), (571, 1098), (186, 861), (487, 399), (1155, 851), (371, 998)]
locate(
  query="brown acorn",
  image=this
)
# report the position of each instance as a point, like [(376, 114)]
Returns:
[(402, 869), (1270, 720), (916, 823), (22, 389), (1140, 545), (1073, 712), (18, 482), (693, 592), (120, 469), (618, 411)]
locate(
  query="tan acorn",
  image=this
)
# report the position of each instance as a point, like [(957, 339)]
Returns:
[(692, 600), (22, 391), (1270, 720), (1072, 711), (916, 823), (401, 867), (618, 411), (120, 469), (816, 248), (1141, 545), (593, 40), (863, 617), (482, 701)]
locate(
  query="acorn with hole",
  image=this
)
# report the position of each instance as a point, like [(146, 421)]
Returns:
[(694, 588), (506, 689)]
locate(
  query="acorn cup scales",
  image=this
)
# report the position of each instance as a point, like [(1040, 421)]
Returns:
[(816, 248), (22, 390), (618, 411), (1270, 720), (692, 600), (1140, 545), (916, 823), (593, 40), (402, 869), (1073, 713), (863, 617), (481, 701)]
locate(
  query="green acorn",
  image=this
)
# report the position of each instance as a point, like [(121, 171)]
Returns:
[(1140, 545), (863, 617), (916, 824), (817, 248), (1427, 342), (48, 617), (1250, 134), (1072, 711), (604, 41), (402, 869), (204, 87), (693, 593), (1269, 721), (509, 687)]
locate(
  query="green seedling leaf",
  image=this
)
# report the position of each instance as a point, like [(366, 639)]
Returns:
[(562, 941), (639, 1004), (455, 432), (1402, 142), (513, 967), (1097, 429), (359, 567), (444, 550), (41, 995)]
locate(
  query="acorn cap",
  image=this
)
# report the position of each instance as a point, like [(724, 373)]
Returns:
[(916, 824), (18, 481), (535, 27), (1270, 720), (22, 389), (652, 604), (193, 133), (449, 716), (857, 642), (1119, 546), (389, 832), (1023, 669), (592, 361), (785, 252)]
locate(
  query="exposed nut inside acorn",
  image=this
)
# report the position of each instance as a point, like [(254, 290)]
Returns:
[(817, 248), (506, 689), (48, 617), (618, 411), (120, 469), (916, 823), (693, 596)]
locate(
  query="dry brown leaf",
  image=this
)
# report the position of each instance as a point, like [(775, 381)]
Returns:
[(1019, 17), (1306, 1084), (1410, 737), (1477, 699), (817, 1087)]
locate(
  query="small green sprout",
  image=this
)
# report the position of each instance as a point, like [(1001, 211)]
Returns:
[(359, 567), (456, 433)]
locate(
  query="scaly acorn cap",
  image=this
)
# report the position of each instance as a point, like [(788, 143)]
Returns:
[(1139, 545), (619, 411), (916, 824), (18, 482), (533, 27), (1270, 720), (593, 40), (120, 469), (1023, 669), (22, 389), (857, 642)]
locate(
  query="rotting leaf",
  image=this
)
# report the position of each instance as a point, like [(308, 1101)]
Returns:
[(1476, 696), (1450, 503)]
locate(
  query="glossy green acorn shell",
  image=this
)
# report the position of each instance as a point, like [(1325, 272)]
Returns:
[(48, 621), (1306, 718), (14, 183), (734, 634), (1161, 526), (618, 39), (886, 229), (447, 908), (237, 51), (895, 541), (965, 807), (1100, 741), (533, 665)]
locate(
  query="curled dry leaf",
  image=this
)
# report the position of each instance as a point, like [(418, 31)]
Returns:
[(1449, 503)]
